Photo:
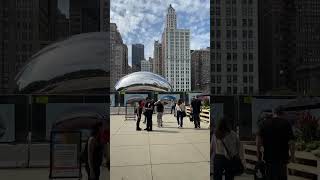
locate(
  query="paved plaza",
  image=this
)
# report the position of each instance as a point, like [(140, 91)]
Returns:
[(163, 154)]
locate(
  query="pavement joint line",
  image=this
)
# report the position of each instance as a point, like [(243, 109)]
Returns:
[(150, 155), (163, 164)]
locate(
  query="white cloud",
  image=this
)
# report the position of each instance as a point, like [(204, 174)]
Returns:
[(142, 21)]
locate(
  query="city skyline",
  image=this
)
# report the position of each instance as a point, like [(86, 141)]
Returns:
[(143, 22)]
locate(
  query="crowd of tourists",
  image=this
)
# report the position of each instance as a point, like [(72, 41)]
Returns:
[(178, 109)]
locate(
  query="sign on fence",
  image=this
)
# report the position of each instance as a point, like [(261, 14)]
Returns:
[(65, 150)]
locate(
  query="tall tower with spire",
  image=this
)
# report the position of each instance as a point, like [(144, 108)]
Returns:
[(171, 19), (176, 56)]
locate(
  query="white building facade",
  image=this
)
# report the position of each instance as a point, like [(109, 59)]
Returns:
[(176, 53), (146, 66)]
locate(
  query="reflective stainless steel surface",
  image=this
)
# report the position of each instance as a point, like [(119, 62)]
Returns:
[(143, 81), (77, 64)]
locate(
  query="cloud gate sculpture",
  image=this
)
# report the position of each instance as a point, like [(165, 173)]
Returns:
[(77, 64), (143, 81)]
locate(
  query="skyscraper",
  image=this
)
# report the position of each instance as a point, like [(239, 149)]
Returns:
[(234, 47), (146, 65), (158, 61), (289, 43), (119, 56), (200, 70), (137, 56), (176, 53)]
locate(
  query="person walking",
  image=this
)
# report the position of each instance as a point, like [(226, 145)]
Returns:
[(227, 146), (173, 107), (149, 108), (160, 110), (139, 114), (181, 112), (196, 109), (94, 150), (276, 136)]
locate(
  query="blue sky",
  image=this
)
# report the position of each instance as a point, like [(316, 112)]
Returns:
[(142, 21)]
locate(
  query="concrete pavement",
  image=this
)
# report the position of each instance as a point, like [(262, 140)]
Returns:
[(163, 154)]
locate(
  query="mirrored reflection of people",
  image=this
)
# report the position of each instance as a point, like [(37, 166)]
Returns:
[(139, 114), (181, 112), (105, 139), (196, 109), (227, 145), (95, 153), (160, 110), (276, 136), (149, 108)]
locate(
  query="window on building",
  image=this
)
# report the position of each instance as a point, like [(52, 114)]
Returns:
[(219, 56), (234, 22), (245, 79), (234, 45), (250, 56), (228, 1), (235, 56), (228, 44), (228, 22), (213, 79), (218, 21), (228, 67), (229, 56), (235, 67), (235, 79), (234, 34), (251, 79), (250, 67), (218, 11), (244, 22), (250, 35), (218, 67), (218, 45), (228, 34), (244, 45), (244, 34), (250, 13), (218, 90), (251, 90), (229, 79), (213, 67), (244, 1), (229, 90), (218, 34), (228, 11), (234, 11), (244, 12), (213, 90), (235, 90), (250, 22), (245, 90), (250, 43), (234, 1), (250, 2), (245, 68), (219, 79)]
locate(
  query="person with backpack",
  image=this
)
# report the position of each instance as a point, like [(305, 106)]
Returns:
[(196, 109), (160, 110), (93, 153), (227, 160)]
